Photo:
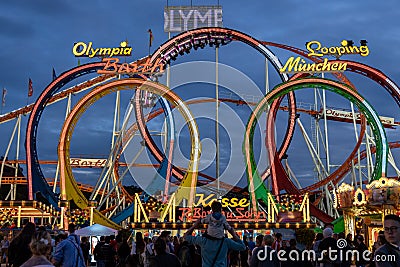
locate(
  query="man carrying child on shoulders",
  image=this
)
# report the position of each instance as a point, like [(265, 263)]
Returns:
[(214, 246)]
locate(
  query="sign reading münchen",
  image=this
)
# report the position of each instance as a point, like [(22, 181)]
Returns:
[(183, 18)]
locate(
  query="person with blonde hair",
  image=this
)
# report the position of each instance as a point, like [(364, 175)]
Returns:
[(41, 249)]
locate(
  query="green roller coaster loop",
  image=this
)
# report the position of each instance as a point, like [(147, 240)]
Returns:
[(257, 188)]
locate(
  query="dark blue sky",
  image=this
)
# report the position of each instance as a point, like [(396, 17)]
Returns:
[(37, 36)]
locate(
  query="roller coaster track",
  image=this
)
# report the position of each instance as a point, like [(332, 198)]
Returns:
[(352, 66), (162, 52), (256, 185), (179, 175), (153, 114), (173, 47), (36, 181), (89, 188), (57, 97), (69, 188), (23, 181)]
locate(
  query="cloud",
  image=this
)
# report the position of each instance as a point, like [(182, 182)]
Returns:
[(39, 35), (14, 30)]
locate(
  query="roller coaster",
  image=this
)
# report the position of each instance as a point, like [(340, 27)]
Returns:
[(113, 203)]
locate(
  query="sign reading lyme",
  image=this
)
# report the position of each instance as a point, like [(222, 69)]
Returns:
[(183, 18)]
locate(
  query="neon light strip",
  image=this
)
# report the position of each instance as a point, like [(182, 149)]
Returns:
[(181, 38), (36, 112), (171, 137), (84, 103), (292, 86), (383, 136)]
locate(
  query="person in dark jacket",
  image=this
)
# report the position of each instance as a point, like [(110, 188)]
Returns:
[(163, 258), (85, 246), (265, 256), (391, 225), (244, 254), (123, 252), (214, 251), (108, 253), (345, 260), (361, 248), (293, 259), (19, 250), (327, 244), (68, 252), (98, 257), (187, 254)]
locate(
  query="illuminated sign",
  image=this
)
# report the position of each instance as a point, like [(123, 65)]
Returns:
[(316, 49), (300, 65), (82, 49), (237, 214), (183, 18), (113, 67), (87, 162), (349, 115), (226, 202)]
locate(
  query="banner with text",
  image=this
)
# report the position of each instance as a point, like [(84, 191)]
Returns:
[(183, 18)]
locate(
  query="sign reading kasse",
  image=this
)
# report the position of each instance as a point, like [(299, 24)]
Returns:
[(238, 209)]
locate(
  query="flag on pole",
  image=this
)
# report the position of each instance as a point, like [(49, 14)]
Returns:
[(54, 74), (3, 98), (30, 88), (151, 37)]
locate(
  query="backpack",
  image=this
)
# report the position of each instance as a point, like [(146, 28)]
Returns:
[(96, 252), (185, 256), (149, 253)]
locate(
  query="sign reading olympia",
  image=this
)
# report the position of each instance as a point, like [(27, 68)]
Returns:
[(82, 49), (183, 18)]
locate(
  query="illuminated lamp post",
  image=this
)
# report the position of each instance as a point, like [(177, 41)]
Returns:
[(64, 204), (92, 206)]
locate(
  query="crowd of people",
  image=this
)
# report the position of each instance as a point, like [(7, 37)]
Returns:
[(34, 246), (331, 250)]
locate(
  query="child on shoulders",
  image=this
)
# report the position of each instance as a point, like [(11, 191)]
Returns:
[(216, 221)]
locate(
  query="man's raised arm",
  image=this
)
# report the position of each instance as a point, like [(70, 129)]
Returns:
[(191, 229)]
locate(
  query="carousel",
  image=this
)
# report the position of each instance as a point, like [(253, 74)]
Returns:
[(364, 209)]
